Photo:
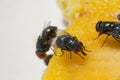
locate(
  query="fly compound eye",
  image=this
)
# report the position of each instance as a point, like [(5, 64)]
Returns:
[(98, 26)]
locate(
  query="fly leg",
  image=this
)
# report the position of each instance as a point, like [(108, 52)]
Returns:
[(105, 40)]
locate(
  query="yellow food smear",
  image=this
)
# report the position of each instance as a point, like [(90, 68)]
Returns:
[(72, 9), (102, 63)]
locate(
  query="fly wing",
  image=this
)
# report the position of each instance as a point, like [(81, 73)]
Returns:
[(62, 32), (46, 24), (116, 32), (115, 15), (117, 39)]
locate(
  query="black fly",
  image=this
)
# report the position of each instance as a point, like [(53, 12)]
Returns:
[(44, 43), (108, 28), (70, 43), (65, 42)]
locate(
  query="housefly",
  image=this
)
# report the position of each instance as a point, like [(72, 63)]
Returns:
[(44, 43), (108, 28), (70, 43)]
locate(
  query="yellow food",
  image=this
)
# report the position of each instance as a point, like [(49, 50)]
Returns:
[(103, 63), (72, 9)]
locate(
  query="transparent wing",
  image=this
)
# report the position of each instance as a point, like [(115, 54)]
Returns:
[(116, 33), (116, 15), (46, 24), (62, 32), (117, 39)]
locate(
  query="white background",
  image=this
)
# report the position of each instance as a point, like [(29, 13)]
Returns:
[(21, 21)]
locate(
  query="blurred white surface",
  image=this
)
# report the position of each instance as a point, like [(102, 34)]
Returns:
[(21, 21)]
